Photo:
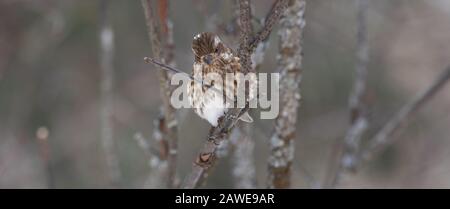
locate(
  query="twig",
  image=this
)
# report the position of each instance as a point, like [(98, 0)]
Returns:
[(106, 37), (271, 19), (165, 91), (290, 67), (172, 69), (175, 70), (386, 135), (207, 156), (347, 151)]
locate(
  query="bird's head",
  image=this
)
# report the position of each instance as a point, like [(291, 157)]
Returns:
[(208, 48)]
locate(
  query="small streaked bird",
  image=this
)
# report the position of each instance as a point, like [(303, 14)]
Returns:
[(212, 63)]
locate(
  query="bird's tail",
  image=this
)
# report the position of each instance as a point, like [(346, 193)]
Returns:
[(246, 118)]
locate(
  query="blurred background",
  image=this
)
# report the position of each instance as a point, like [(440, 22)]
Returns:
[(50, 89)]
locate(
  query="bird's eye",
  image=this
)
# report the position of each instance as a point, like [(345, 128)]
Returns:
[(216, 50)]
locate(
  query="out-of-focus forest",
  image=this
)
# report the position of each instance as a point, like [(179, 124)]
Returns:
[(50, 102)]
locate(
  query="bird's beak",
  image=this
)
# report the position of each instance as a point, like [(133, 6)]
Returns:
[(207, 59)]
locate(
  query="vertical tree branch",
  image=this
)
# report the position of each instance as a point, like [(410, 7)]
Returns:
[(106, 37), (290, 67), (207, 156), (346, 153), (386, 135), (243, 170), (169, 112)]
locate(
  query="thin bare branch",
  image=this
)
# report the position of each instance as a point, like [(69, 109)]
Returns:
[(175, 70), (271, 19), (165, 92), (347, 151), (290, 67), (106, 37), (169, 68), (386, 135)]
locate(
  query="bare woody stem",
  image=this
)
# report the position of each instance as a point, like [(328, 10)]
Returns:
[(243, 165), (245, 23), (346, 152), (207, 156), (290, 67), (169, 68), (386, 135), (271, 19), (106, 37), (165, 92)]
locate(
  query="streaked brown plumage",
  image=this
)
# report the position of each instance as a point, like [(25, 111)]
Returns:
[(213, 61)]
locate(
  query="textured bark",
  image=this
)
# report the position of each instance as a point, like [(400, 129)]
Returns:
[(245, 23), (271, 19), (290, 60)]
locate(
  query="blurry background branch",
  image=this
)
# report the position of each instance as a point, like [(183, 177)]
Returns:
[(207, 156), (106, 36), (346, 150), (156, 152), (290, 59), (170, 123), (386, 135)]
